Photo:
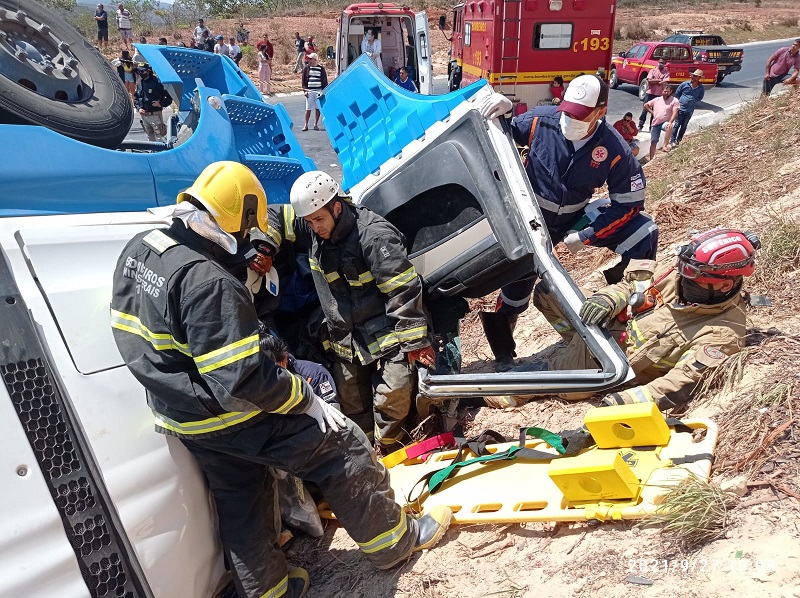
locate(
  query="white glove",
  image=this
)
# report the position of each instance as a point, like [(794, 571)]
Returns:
[(493, 106), (326, 415), (573, 242)]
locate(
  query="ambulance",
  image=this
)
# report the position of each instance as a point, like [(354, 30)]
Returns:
[(403, 35), (520, 46)]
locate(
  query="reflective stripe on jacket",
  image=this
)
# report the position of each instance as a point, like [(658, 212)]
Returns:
[(188, 331), (370, 292)]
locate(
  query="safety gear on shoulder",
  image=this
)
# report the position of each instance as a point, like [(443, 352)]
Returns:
[(326, 415), (597, 309), (311, 191), (494, 105), (717, 255), (232, 194)]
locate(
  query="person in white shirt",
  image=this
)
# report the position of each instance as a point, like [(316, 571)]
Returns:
[(234, 51), (221, 47), (124, 24), (371, 46), (198, 32)]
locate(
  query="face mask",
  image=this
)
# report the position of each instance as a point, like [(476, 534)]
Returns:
[(574, 129)]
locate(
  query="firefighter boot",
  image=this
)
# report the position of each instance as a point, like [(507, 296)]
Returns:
[(499, 331), (298, 583), (432, 527)]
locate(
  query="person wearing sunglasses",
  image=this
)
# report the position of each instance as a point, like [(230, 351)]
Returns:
[(674, 319)]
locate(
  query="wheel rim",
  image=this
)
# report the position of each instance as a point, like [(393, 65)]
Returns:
[(32, 56), (643, 89), (614, 77)]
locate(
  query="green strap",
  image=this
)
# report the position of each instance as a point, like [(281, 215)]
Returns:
[(549, 437)]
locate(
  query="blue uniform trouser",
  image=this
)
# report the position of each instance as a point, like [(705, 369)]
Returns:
[(681, 122), (642, 243)]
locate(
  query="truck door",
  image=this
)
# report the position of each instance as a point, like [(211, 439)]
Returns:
[(424, 55), (342, 35)]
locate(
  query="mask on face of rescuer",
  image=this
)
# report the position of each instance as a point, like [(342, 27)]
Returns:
[(573, 129), (713, 258)]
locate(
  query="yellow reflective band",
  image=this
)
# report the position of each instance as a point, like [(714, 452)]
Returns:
[(340, 350), (288, 222), (412, 334), (314, 264), (685, 357), (279, 590), (212, 424), (160, 341), (363, 279), (274, 234), (295, 396), (641, 394), (383, 342), (665, 364), (227, 354), (386, 539), (561, 325), (621, 297), (331, 276), (398, 281), (636, 335)]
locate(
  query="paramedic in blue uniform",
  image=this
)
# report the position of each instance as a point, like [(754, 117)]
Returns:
[(573, 152)]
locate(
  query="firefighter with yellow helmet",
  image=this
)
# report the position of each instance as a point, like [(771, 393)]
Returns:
[(188, 331)]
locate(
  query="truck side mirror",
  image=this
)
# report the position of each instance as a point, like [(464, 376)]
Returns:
[(330, 54), (623, 54), (442, 22)]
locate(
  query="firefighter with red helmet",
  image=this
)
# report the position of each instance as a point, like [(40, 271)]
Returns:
[(673, 320)]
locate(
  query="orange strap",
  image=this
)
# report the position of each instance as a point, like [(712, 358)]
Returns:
[(530, 141)]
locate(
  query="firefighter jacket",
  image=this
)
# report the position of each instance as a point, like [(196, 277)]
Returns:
[(564, 178), (670, 345), (188, 331), (370, 292)]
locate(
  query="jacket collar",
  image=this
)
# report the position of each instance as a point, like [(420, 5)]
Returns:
[(347, 220)]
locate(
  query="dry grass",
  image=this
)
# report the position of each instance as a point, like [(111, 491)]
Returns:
[(694, 513)]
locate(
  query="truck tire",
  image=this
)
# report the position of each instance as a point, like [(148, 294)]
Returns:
[(50, 76), (643, 88), (613, 81)]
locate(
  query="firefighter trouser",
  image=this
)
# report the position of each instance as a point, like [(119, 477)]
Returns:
[(377, 396), (342, 464), (153, 124)]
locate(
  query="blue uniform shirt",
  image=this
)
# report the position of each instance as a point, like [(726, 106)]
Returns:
[(564, 179), (409, 84), (689, 96), (320, 379)]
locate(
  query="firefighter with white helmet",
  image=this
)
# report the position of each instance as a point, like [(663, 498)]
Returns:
[(674, 320), (188, 331), (375, 329)]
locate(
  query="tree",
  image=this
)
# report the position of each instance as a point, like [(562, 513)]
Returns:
[(60, 4)]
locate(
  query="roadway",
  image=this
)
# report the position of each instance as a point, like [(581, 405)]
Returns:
[(739, 87)]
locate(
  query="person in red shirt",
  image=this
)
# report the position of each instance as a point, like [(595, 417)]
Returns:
[(627, 128), (557, 89), (265, 43), (310, 47)]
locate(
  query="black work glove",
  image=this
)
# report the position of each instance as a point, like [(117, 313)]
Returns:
[(597, 309)]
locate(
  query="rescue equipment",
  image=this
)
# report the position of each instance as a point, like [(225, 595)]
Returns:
[(638, 459)]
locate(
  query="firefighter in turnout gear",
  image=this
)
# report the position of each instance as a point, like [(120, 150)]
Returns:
[(573, 152), (674, 320), (188, 331), (371, 296)]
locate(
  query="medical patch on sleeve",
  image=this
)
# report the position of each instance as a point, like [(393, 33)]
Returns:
[(708, 357), (599, 154), (325, 389), (637, 183)]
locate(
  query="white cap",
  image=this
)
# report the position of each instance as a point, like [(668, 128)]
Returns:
[(584, 94)]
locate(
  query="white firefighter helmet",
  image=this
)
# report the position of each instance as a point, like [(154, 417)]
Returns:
[(311, 191)]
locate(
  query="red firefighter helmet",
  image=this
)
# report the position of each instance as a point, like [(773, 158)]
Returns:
[(717, 255)]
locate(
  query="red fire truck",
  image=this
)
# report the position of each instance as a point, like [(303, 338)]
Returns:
[(520, 46)]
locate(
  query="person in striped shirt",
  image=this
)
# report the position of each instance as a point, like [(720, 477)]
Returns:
[(315, 79)]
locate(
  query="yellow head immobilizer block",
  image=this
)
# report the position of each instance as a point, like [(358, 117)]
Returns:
[(620, 426)]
